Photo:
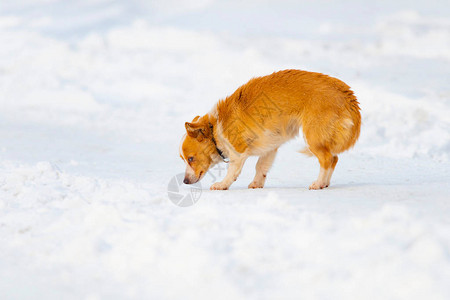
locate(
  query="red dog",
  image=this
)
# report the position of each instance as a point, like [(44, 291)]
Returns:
[(265, 113)]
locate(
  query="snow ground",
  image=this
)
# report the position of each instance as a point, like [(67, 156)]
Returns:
[(94, 95)]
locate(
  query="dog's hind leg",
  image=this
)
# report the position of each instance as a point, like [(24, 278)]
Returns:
[(327, 162), (331, 170), (262, 167)]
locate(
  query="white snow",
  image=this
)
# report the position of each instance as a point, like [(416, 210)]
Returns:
[(94, 96)]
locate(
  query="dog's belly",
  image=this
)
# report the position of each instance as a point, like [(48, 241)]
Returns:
[(273, 137)]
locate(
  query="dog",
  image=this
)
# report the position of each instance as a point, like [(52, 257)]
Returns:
[(263, 114)]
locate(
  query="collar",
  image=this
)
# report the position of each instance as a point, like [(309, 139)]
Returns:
[(224, 158)]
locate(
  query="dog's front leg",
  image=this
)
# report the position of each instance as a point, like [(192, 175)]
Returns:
[(262, 167), (236, 164)]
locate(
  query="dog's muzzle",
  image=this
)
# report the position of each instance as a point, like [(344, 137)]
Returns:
[(190, 178)]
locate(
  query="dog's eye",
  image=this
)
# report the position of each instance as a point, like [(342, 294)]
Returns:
[(190, 158)]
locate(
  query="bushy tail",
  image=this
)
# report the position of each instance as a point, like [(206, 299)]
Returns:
[(356, 119), (348, 127), (306, 151)]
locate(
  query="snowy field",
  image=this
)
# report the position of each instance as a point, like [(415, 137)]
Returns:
[(94, 96)]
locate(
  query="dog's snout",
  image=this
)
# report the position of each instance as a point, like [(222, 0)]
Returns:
[(186, 180)]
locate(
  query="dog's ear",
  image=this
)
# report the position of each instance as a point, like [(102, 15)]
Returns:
[(197, 129)]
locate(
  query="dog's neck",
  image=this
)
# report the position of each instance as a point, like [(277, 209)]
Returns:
[(213, 139)]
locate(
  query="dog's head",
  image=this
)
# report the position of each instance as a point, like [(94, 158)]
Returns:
[(197, 149)]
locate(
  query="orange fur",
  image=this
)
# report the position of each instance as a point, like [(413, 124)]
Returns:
[(268, 111)]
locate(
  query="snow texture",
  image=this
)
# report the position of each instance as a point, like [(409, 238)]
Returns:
[(94, 96)]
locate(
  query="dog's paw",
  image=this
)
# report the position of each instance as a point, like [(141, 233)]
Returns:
[(219, 186), (316, 185), (256, 185)]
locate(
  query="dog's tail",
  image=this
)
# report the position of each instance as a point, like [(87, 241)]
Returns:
[(355, 120), (306, 151)]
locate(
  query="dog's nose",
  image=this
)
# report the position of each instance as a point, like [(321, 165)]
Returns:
[(186, 181)]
